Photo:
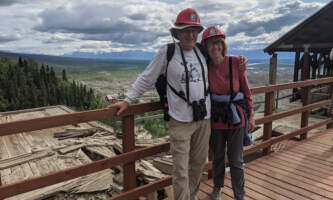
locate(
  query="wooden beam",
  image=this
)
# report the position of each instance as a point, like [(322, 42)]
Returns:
[(269, 104), (306, 91), (284, 86), (313, 46), (18, 160), (272, 69), (72, 118), (272, 74), (143, 190), (295, 47), (294, 111), (296, 71), (330, 108), (0, 183), (128, 146), (74, 172)]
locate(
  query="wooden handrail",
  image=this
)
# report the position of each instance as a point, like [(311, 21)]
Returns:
[(294, 111), (284, 86), (292, 134), (14, 127), (74, 172), (130, 155), (145, 189)]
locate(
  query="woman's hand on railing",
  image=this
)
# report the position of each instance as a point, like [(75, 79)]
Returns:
[(251, 124), (243, 63), (123, 105)]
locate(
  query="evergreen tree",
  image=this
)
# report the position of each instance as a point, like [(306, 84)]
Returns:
[(33, 93), (25, 85), (53, 77), (64, 76), (20, 62), (25, 66)]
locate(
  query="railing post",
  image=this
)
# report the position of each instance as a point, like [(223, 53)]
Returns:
[(269, 104), (128, 145), (330, 109), (0, 185), (305, 91), (272, 73)]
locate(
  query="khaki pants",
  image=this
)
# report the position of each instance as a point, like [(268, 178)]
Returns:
[(189, 148)]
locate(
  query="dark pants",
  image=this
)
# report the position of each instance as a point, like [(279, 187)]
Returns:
[(232, 140)]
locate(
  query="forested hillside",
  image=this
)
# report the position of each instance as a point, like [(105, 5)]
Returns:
[(24, 84)]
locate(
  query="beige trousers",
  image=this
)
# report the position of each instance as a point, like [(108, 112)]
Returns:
[(189, 148)]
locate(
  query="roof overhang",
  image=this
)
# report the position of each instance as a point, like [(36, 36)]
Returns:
[(316, 32)]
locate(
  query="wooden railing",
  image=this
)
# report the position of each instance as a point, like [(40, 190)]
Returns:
[(130, 155)]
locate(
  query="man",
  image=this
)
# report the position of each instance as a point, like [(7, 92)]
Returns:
[(188, 100)]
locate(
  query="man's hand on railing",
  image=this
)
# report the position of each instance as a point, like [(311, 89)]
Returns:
[(123, 105), (244, 62)]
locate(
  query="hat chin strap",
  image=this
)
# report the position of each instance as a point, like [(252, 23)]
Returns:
[(173, 35)]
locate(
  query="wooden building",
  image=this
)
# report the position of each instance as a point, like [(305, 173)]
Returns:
[(312, 41)]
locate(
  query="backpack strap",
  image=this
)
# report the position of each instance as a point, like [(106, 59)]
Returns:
[(202, 49), (170, 52), (186, 76), (230, 79), (203, 73)]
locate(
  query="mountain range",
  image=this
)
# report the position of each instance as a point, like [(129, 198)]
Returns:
[(126, 59)]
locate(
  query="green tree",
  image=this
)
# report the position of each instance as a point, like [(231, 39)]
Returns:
[(64, 76)]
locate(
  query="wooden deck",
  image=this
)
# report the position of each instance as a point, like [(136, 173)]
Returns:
[(298, 170)]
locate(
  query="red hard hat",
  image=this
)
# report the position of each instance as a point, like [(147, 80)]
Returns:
[(187, 18), (211, 31)]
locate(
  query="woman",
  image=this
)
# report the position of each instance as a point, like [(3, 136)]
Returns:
[(232, 112)]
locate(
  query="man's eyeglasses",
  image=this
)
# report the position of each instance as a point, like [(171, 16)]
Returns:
[(189, 30)]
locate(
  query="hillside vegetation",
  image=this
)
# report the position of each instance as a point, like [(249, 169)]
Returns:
[(26, 85)]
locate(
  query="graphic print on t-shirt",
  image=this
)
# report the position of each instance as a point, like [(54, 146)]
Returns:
[(194, 74)]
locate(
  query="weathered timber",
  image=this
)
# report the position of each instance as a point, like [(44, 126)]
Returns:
[(11, 162), (73, 133), (71, 148), (74, 172)]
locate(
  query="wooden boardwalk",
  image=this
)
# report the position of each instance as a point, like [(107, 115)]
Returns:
[(298, 170)]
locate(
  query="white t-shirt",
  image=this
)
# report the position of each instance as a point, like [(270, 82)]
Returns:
[(331, 55), (178, 108)]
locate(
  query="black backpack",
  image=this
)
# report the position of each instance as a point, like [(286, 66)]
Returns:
[(161, 83)]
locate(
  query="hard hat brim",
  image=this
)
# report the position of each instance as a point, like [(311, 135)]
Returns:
[(200, 27), (175, 28)]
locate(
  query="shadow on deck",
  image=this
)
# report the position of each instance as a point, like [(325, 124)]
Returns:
[(301, 170)]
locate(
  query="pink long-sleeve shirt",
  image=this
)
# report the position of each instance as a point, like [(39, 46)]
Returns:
[(219, 84)]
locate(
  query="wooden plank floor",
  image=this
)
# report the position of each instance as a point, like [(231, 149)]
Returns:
[(298, 170)]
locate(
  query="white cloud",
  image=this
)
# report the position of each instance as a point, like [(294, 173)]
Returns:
[(60, 27)]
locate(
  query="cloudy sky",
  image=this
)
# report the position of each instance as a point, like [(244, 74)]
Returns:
[(60, 27)]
